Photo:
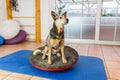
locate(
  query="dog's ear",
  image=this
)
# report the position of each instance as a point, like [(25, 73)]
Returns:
[(64, 14), (54, 15)]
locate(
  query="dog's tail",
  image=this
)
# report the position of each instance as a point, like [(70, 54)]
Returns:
[(37, 51)]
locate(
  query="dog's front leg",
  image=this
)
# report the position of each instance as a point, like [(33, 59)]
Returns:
[(63, 55), (62, 51), (49, 55), (45, 52)]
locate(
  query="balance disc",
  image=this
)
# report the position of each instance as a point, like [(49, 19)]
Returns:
[(57, 64)]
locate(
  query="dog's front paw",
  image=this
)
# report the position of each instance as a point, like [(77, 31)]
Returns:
[(49, 62), (64, 60), (58, 54), (44, 56)]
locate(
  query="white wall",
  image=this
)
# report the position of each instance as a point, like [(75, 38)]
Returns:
[(46, 7), (3, 15), (45, 18), (26, 16), (27, 9)]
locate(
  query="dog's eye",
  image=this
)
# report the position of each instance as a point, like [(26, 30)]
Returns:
[(60, 17)]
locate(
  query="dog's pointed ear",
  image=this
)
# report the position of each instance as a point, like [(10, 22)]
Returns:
[(54, 15), (64, 14)]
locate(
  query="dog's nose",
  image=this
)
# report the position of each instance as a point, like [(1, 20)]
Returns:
[(67, 20)]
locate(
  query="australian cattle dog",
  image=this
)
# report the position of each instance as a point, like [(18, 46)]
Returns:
[(55, 39)]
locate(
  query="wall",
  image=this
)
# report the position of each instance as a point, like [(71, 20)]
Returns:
[(2, 10), (45, 18), (26, 16)]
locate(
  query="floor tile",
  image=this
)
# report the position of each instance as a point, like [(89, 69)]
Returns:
[(38, 78), (107, 73), (114, 73), (113, 65), (112, 58), (21, 75), (82, 53), (14, 78), (2, 77), (83, 47), (2, 72), (112, 79)]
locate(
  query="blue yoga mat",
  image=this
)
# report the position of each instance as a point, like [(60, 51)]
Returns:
[(87, 68)]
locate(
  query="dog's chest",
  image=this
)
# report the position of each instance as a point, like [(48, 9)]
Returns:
[(60, 30), (55, 43)]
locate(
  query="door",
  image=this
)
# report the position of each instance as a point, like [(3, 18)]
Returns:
[(82, 18), (110, 21), (92, 21)]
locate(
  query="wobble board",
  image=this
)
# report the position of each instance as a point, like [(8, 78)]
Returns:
[(57, 64)]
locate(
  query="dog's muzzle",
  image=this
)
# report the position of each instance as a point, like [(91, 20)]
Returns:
[(67, 20)]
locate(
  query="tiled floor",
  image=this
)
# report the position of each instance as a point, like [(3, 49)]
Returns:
[(109, 54)]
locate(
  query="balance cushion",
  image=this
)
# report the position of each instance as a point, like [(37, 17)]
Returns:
[(18, 39)]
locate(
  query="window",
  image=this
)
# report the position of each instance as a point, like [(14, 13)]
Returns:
[(110, 24)]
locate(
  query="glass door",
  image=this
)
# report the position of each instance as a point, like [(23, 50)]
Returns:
[(110, 21), (92, 20), (82, 18)]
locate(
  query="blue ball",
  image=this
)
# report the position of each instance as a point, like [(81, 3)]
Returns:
[(1, 40)]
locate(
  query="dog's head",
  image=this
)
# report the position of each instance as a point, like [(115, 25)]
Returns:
[(60, 20)]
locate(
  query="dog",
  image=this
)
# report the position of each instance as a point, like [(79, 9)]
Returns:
[(55, 39)]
